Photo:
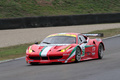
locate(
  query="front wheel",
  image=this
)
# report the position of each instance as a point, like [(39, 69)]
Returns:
[(100, 51), (78, 55)]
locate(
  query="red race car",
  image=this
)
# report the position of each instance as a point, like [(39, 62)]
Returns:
[(65, 48)]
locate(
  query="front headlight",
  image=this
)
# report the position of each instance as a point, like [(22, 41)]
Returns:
[(30, 50), (63, 50)]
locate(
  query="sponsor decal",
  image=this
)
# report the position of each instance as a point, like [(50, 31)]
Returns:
[(65, 54), (93, 49), (88, 53), (93, 53), (30, 60), (44, 60), (61, 60), (72, 59)]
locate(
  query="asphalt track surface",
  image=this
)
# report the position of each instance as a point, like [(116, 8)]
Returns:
[(106, 69)]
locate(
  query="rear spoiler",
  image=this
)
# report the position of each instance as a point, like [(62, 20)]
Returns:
[(94, 35)]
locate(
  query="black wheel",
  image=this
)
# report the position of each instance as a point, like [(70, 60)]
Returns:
[(78, 55), (100, 51)]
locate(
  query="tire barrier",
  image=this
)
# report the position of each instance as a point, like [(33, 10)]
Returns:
[(64, 20)]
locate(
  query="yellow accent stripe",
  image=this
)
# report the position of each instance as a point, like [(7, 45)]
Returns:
[(72, 35)]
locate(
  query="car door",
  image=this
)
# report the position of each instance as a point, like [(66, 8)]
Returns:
[(90, 49), (82, 43)]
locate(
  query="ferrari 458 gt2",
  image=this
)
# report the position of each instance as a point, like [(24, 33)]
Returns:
[(66, 48)]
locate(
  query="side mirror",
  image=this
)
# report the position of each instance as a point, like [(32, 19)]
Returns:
[(93, 42), (84, 41), (36, 42)]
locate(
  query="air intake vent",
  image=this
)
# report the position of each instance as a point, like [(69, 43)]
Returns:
[(44, 58), (35, 58), (55, 57)]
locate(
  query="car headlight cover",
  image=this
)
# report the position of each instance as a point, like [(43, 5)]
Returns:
[(63, 50), (30, 50)]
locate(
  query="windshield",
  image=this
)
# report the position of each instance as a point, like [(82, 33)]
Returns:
[(59, 40)]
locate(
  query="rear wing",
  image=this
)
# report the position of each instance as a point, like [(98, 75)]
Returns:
[(94, 35)]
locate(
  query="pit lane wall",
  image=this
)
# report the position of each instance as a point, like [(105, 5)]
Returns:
[(64, 20)]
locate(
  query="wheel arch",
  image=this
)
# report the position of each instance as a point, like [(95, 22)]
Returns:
[(100, 53), (80, 49), (102, 45), (76, 58)]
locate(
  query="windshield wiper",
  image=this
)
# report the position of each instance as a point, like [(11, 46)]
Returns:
[(47, 42)]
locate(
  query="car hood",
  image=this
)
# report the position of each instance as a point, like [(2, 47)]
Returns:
[(49, 46), (51, 49)]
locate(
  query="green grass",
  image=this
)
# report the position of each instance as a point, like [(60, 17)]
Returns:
[(19, 50), (13, 51), (25, 8)]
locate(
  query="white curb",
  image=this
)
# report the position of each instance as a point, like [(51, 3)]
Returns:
[(11, 59)]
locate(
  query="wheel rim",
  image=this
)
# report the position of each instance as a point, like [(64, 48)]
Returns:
[(78, 54), (101, 51)]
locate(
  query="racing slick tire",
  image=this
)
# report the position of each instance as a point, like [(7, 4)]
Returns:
[(100, 51), (78, 55)]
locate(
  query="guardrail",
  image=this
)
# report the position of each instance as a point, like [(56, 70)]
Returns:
[(64, 20)]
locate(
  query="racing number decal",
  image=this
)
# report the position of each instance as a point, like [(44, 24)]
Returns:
[(83, 49), (81, 39)]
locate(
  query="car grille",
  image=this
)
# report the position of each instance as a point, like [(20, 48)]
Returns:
[(35, 58), (46, 58), (55, 57)]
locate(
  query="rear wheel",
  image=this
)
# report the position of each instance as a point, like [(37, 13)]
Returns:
[(100, 51), (78, 55)]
